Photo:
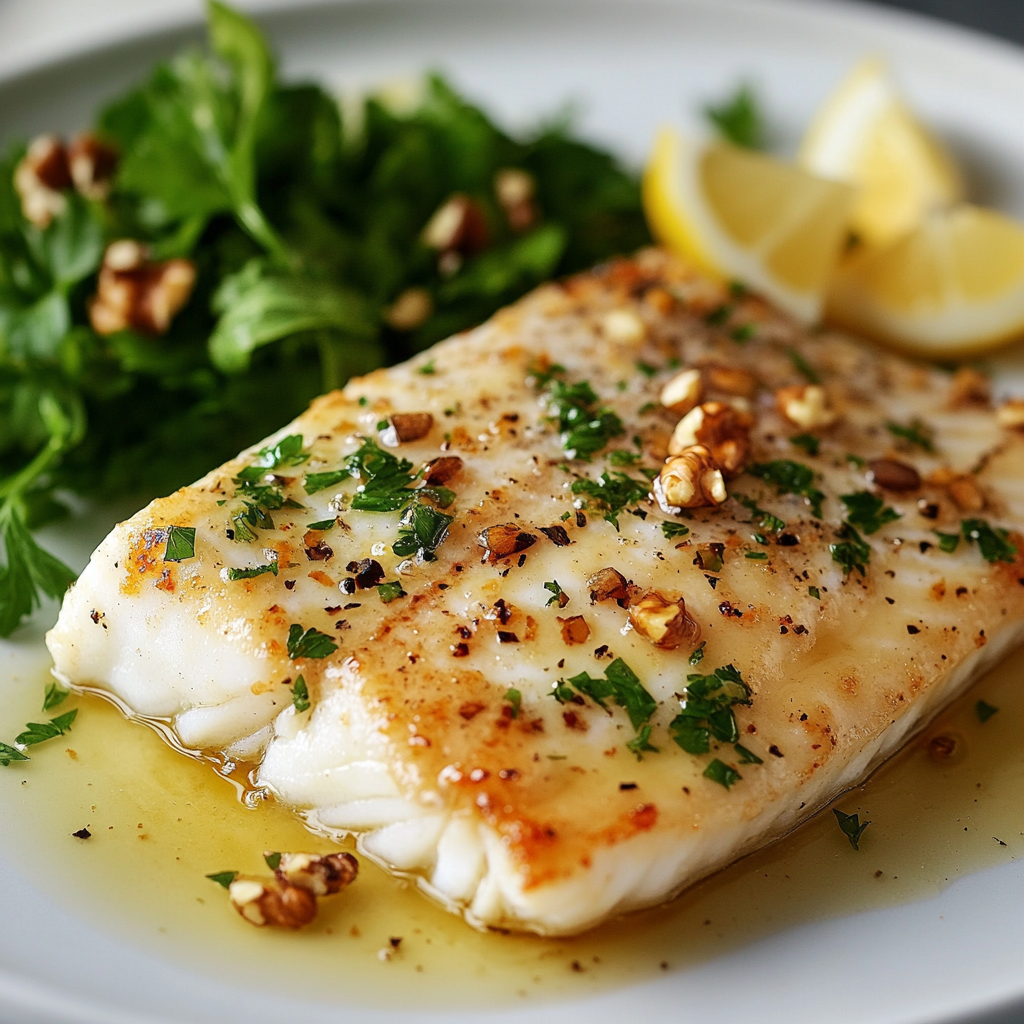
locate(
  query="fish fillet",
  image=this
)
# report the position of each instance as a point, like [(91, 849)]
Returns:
[(488, 709)]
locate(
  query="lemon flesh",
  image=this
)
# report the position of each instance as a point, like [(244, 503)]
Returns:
[(866, 135), (952, 287), (746, 216)]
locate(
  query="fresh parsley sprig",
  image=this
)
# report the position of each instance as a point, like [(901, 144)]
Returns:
[(790, 478)]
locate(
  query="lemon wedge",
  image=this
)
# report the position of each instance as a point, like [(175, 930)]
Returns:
[(951, 288), (866, 135), (746, 216)]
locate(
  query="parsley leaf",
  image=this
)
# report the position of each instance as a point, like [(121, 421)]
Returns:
[(739, 119), (984, 711), (672, 530), (252, 573), (851, 551), (9, 754), (515, 699), (916, 432), (706, 710), (851, 826), (790, 478), (585, 425), (273, 860), (992, 541), (746, 756), (55, 696), (223, 878), (868, 512), (641, 743), (698, 655), (300, 694), (765, 520), (389, 592), (620, 684), (808, 442), (181, 543), (40, 732), (803, 367), (612, 491), (422, 531), (718, 771), (557, 594), (814, 592), (948, 542), (309, 644)]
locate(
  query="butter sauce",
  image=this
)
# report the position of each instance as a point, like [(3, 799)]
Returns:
[(160, 822)]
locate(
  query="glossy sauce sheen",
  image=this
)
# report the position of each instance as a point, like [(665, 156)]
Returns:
[(160, 822)]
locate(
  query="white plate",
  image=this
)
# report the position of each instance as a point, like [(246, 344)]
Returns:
[(631, 65)]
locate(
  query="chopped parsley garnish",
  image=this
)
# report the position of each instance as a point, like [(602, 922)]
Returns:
[(743, 333), (756, 555), (948, 542), (9, 754), (698, 655), (390, 591), (707, 704), (992, 541), (718, 771), (867, 511), (223, 878), (646, 369), (557, 594), (309, 644), (621, 457), (428, 369), (620, 684), (851, 826), (808, 442), (515, 699), (611, 492), (746, 756), (641, 743), (790, 478), (719, 315), (739, 119), (253, 572), (40, 732), (181, 543), (252, 518), (273, 860), (814, 592), (803, 367), (673, 530), (856, 460), (55, 696), (765, 520), (585, 425), (984, 710), (423, 529), (287, 452), (916, 432), (300, 694), (323, 524), (851, 551)]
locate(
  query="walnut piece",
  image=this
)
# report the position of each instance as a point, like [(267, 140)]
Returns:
[(92, 164), (135, 292), (408, 426), (319, 874), (969, 387), (515, 190), (40, 179), (966, 494), (410, 310), (722, 429), (732, 380), (893, 475), (441, 470), (1011, 414), (574, 630), (691, 479), (806, 405), (663, 621), (268, 902), (682, 392), (504, 540), (624, 327), (458, 226), (608, 584)]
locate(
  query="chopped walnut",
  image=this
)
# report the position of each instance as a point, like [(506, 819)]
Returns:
[(682, 392), (458, 226), (966, 494), (806, 405), (40, 179), (134, 292), (410, 310), (504, 540), (574, 629), (409, 426), (624, 326), (722, 429), (691, 479), (732, 380), (664, 622), (92, 164), (268, 902), (1011, 414), (969, 387), (440, 471), (320, 874), (515, 190), (608, 584)]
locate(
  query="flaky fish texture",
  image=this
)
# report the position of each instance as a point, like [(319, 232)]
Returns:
[(466, 610)]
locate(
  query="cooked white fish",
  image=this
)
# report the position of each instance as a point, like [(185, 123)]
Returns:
[(440, 610)]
